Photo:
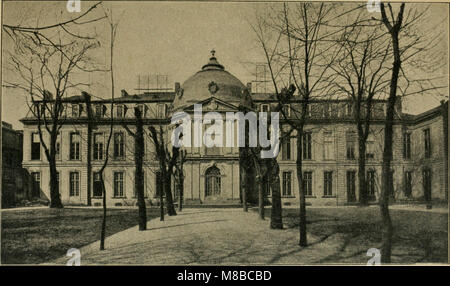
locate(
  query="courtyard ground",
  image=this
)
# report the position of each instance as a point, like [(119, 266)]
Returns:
[(39, 234), (229, 236)]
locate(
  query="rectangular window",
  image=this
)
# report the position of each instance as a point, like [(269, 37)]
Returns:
[(286, 147), (158, 184), (287, 110), (118, 184), (307, 183), (97, 187), (265, 108), (35, 147), (351, 145), (427, 143), (349, 109), (74, 146), (406, 145), (327, 183), (141, 110), (408, 183), (98, 146), (75, 110), (57, 180), (427, 184), (287, 184), (119, 111), (99, 111), (145, 189), (36, 184), (351, 186), (328, 152), (370, 181), (58, 151), (370, 149), (326, 110), (118, 145), (306, 145), (161, 111), (74, 187)]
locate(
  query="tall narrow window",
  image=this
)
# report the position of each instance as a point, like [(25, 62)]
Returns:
[(35, 147), (427, 142), (307, 183), (426, 181), (141, 108), (306, 145), (57, 180), (97, 187), (36, 184), (118, 145), (351, 143), (98, 146), (328, 183), (406, 145), (370, 147), (161, 111), (287, 184), (75, 110), (99, 111), (350, 109), (326, 110), (145, 188), (370, 181), (287, 110), (408, 184), (74, 184), (286, 147), (119, 111), (74, 146), (265, 108), (158, 184), (328, 152), (118, 184), (351, 186), (58, 151)]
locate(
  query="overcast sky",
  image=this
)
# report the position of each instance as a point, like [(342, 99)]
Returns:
[(164, 38)]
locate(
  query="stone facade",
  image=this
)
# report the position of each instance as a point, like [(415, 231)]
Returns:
[(212, 174)]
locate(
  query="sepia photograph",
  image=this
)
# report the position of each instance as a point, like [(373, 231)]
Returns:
[(224, 133)]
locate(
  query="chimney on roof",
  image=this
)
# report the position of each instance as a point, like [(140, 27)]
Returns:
[(124, 93), (177, 87), (85, 95), (249, 87)]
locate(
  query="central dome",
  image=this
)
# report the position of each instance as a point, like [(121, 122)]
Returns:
[(211, 81)]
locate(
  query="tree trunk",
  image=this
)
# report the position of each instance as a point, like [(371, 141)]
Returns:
[(302, 213), (169, 199), (181, 191), (363, 196), (260, 196), (139, 180), (161, 199), (276, 215), (244, 188), (386, 241), (55, 198), (103, 230)]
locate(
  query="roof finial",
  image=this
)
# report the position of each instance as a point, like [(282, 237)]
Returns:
[(213, 52)]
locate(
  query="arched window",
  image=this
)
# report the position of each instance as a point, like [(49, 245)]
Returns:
[(212, 181)]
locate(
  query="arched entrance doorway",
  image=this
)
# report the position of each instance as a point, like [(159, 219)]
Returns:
[(212, 180)]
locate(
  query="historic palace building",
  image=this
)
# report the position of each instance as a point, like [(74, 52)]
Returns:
[(212, 175)]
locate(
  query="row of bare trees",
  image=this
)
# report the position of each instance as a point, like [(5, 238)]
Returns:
[(330, 51)]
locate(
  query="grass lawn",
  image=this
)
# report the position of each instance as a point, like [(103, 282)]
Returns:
[(39, 235), (418, 236)]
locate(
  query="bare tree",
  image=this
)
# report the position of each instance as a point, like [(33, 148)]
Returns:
[(47, 73), (139, 146), (167, 161), (293, 42), (362, 76)]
